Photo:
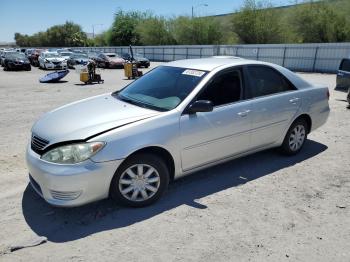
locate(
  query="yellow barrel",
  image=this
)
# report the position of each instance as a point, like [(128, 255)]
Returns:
[(84, 77), (128, 70)]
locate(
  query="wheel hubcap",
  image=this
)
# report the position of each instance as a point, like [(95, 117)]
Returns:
[(139, 182), (297, 137)]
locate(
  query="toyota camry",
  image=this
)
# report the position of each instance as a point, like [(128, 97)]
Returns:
[(178, 118)]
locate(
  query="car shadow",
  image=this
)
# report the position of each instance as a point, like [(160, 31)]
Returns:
[(68, 224)]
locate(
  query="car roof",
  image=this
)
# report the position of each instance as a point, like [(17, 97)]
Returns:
[(210, 63)]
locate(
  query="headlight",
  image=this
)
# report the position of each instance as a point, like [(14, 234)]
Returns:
[(74, 153)]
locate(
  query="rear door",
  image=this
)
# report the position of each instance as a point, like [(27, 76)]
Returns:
[(275, 101), (343, 75)]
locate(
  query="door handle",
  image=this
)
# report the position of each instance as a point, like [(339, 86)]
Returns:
[(294, 100), (243, 113)]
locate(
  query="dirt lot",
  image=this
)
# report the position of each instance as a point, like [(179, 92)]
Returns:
[(263, 207)]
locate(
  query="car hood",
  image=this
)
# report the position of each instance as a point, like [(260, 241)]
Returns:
[(116, 60), (86, 118), (81, 59), (55, 59)]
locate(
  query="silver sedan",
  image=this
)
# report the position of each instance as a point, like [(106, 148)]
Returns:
[(178, 118)]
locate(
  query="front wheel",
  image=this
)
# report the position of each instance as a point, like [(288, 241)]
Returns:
[(140, 180), (295, 137)]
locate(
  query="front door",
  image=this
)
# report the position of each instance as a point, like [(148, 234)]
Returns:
[(210, 136)]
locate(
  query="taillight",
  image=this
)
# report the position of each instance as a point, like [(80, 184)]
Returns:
[(328, 95)]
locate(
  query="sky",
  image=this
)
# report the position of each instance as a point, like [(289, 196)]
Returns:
[(31, 16)]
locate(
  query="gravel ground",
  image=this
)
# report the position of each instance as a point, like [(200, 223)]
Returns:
[(264, 207)]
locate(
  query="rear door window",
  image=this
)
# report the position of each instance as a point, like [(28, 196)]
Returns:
[(345, 65), (264, 81)]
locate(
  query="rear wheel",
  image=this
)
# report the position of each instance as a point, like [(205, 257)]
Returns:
[(295, 137), (140, 180)]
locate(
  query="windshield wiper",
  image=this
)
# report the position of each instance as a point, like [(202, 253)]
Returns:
[(138, 103)]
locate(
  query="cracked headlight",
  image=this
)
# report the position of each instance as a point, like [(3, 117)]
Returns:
[(72, 154)]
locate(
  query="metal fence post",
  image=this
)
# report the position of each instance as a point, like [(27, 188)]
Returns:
[(315, 59), (284, 55), (186, 52), (163, 53), (153, 53), (200, 52), (257, 53), (173, 53)]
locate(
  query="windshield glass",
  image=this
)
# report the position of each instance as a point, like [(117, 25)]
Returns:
[(65, 54), (112, 55), (80, 56), (163, 88), (51, 55), (19, 55), (10, 54)]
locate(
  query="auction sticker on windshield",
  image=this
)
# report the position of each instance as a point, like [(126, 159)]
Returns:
[(192, 72)]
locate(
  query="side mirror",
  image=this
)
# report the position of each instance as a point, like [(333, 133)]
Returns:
[(200, 106)]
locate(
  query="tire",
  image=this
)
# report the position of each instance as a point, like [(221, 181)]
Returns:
[(144, 193), (295, 137)]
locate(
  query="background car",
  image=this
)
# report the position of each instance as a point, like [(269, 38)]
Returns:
[(140, 60), (77, 59), (343, 75), (4, 53), (34, 57), (110, 60), (14, 61), (93, 55), (66, 54), (52, 60)]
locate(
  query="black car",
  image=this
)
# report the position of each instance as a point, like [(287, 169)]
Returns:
[(343, 75), (14, 61), (139, 59), (77, 59)]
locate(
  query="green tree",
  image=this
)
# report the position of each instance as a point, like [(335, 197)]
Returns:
[(154, 31), (68, 34), (196, 31), (257, 23), (319, 22), (123, 31)]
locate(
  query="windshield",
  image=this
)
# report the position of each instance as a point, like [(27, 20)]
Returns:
[(10, 54), (112, 55), (163, 88), (48, 55), (65, 54), (80, 56)]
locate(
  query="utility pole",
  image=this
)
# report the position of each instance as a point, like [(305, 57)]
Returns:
[(193, 7), (93, 29)]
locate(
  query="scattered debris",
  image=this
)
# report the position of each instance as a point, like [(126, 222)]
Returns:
[(35, 241), (340, 206)]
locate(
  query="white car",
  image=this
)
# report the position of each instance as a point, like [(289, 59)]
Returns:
[(66, 54), (176, 119), (52, 60)]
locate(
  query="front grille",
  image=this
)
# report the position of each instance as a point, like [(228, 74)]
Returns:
[(65, 195), (38, 143), (35, 185), (56, 63)]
